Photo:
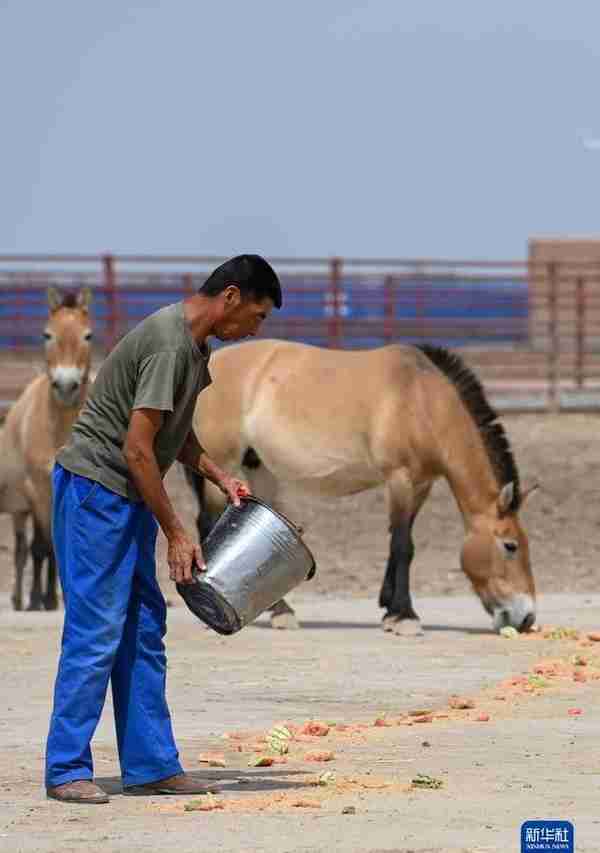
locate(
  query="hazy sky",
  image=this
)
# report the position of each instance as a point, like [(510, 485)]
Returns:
[(387, 128)]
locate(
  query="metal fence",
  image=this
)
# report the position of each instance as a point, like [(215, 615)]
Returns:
[(529, 329)]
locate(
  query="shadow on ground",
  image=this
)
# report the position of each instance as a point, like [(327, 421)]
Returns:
[(227, 780), (326, 625)]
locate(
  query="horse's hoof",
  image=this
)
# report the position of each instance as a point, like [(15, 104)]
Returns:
[(387, 623), (407, 628), (51, 604), (34, 605), (284, 622), (17, 604)]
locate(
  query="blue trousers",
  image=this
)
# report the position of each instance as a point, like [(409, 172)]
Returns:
[(115, 621)]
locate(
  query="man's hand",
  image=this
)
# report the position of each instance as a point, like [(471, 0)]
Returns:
[(184, 556), (198, 459), (233, 488)]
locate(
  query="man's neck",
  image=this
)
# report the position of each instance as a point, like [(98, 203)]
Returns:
[(199, 313)]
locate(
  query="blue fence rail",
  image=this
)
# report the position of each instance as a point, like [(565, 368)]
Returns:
[(532, 327), (331, 306)]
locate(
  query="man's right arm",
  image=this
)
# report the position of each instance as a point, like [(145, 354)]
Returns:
[(139, 455)]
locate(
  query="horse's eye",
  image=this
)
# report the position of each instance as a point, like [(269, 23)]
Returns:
[(510, 547), (88, 336), (47, 336)]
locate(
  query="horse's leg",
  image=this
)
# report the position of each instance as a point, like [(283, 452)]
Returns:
[(43, 552), (283, 617), (38, 555), (395, 594), (205, 518), (39, 492), (51, 598), (20, 557)]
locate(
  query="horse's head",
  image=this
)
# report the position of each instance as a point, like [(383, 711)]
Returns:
[(495, 558), (68, 336)]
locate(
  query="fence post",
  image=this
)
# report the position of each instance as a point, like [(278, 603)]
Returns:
[(420, 308), (17, 341), (388, 309), (335, 275), (188, 284), (553, 340), (110, 291), (580, 331)]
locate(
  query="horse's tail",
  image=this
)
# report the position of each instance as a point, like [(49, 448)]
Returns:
[(251, 459)]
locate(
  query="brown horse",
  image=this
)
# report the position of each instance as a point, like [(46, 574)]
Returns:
[(335, 423), (36, 426)]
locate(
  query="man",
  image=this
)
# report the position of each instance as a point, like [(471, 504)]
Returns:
[(108, 496)]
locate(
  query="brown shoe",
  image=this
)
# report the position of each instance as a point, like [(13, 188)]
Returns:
[(181, 784), (81, 791)]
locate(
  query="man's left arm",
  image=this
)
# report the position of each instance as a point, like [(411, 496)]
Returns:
[(194, 456)]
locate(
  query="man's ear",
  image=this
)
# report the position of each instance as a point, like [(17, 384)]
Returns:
[(232, 295)]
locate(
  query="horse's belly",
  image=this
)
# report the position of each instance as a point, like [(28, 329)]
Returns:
[(336, 485), (315, 467)]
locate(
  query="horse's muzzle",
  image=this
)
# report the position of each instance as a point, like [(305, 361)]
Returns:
[(66, 393), (518, 612)]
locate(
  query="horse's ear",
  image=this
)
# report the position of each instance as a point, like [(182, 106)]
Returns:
[(532, 487), (55, 299), (505, 498), (84, 298)]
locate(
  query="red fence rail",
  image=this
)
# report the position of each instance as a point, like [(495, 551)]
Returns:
[(530, 329)]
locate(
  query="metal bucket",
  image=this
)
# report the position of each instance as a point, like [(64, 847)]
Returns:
[(254, 556)]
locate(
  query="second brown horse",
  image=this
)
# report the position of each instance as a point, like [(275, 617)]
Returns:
[(336, 422)]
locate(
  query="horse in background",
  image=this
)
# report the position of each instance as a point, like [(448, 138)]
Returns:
[(36, 426), (334, 423)]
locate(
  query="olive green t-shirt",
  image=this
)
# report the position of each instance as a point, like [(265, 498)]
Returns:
[(158, 365)]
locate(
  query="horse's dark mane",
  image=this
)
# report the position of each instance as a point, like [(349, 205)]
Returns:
[(485, 417), (69, 300)]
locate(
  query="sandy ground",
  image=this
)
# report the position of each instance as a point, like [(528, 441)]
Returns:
[(519, 753), (531, 759)]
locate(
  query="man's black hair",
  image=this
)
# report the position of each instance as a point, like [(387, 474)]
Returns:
[(254, 276)]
